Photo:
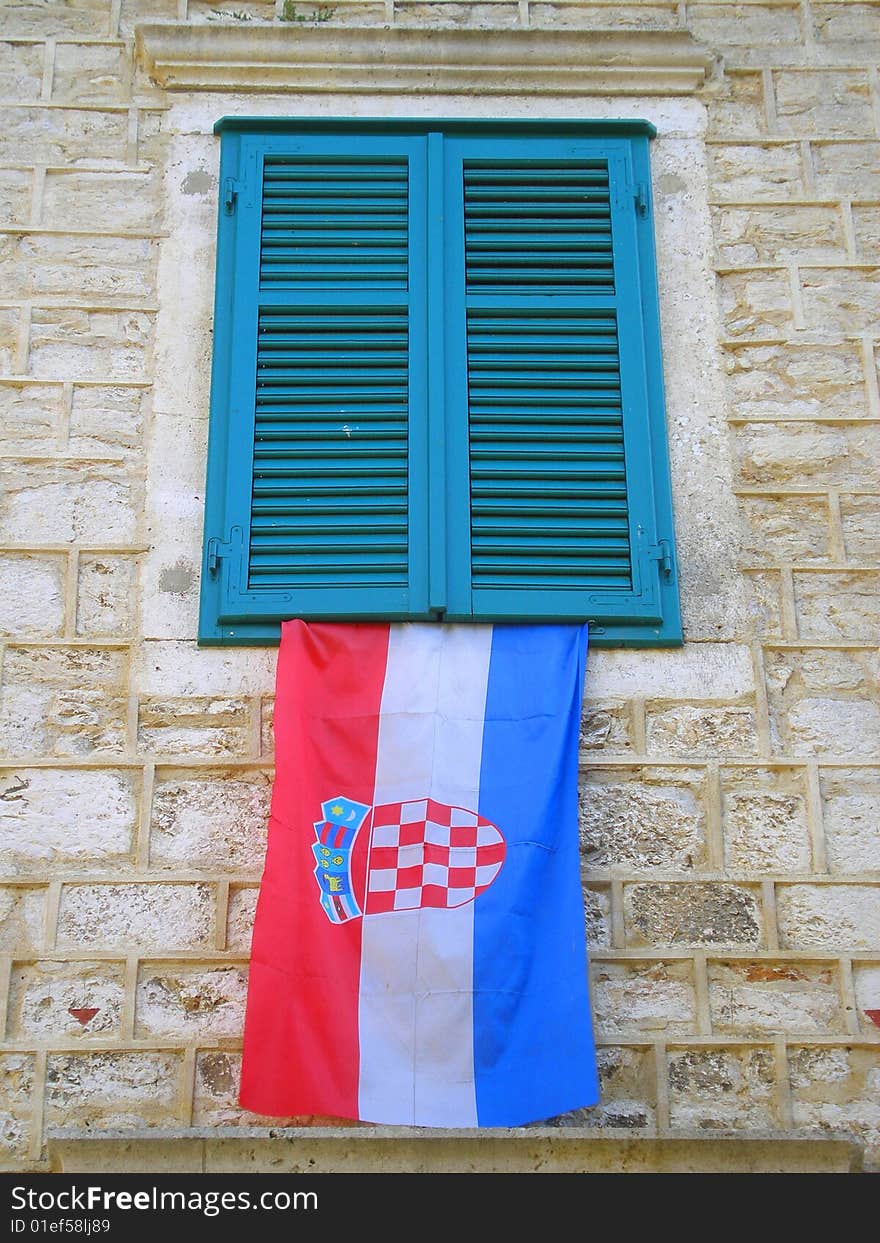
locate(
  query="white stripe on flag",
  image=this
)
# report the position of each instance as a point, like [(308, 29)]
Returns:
[(416, 982)]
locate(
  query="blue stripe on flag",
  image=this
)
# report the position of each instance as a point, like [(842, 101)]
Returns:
[(533, 1045)]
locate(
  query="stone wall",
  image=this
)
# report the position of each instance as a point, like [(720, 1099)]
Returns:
[(730, 795)]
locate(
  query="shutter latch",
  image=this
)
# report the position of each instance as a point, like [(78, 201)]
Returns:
[(662, 552), (641, 198), (216, 550), (230, 194)]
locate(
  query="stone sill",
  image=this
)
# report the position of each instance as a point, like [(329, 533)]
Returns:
[(354, 1150), (406, 60)]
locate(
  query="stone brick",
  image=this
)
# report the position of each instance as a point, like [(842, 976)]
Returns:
[(17, 1081), (74, 200), (627, 1088), (701, 729), (64, 17), (606, 726), (631, 998), (215, 820), (240, 919), (76, 344), (823, 701), (804, 453), (851, 816), (202, 1003), (42, 995), (743, 25), (66, 817), (866, 223), (157, 917), (764, 820), (762, 592), (692, 914), (69, 265), (10, 319), (843, 300), (28, 417), (785, 528), (134, 11), (22, 911), (831, 917), (850, 169), (754, 999), (850, 23), (631, 823), (597, 916), (90, 74), (835, 104), (267, 727), (112, 1090), (95, 667), (194, 726), (15, 195), (57, 503), (215, 1096), (106, 594), (837, 1090), (152, 140), (838, 606), (792, 381), (21, 71), (604, 17), (742, 171), (738, 110), (746, 235), (31, 595), (722, 1088), (62, 135), (107, 421), (860, 516), (755, 304), (40, 721), (408, 13), (866, 981)]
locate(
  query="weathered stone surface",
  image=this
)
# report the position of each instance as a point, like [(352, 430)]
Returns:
[(604, 17), (31, 595), (17, 1080), (15, 195), (66, 17), (851, 816), (240, 919), (21, 70), (606, 726), (107, 421), (152, 141), (835, 917), (42, 995), (738, 109), (44, 721), (110, 1090), (22, 911), (10, 321), (754, 999), (743, 171), (194, 726), (795, 381), (28, 417), (409, 13), (836, 1090), (692, 914), (785, 528), (860, 516), (215, 1098), (40, 265), (729, 1088), (640, 825), (90, 74), (61, 666), (652, 998), (267, 727), (866, 223), (157, 917), (133, 11), (866, 981), (627, 1091), (765, 604), (77, 344), (745, 235), (849, 169), (844, 300), (807, 453), (793, 676), (74, 199), (597, 915), (755, 304), (844, 728), (835, 104), (764, 820), (215, 820), (62, 135), (696, 730), (71, 501), (106, 596), (744, 25), (838, 605), (190, 1002), (851, 23)]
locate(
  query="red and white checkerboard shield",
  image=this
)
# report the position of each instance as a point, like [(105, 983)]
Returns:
[(428, 854)]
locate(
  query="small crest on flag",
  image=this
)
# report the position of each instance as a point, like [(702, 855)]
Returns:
[(336, 833)]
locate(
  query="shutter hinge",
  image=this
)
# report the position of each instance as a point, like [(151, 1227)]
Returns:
[(641, 198), (662, 552), (216, 550), (230, 194)]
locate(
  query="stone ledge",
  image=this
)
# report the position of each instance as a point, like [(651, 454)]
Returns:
[(545, 1150), (402, 60)]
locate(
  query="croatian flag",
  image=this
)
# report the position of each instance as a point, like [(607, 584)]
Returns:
[(418, 954)]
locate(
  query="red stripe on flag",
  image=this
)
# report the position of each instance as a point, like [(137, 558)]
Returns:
[(301, 1053)]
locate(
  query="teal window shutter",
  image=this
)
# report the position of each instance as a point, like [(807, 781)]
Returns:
[(437, 381)]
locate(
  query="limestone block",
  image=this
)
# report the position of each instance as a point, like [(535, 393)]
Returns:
[(15, 195), (62, 135), (860, 516), (754, 999), (112, 1090), (105, 598), (59, 502), (28, 417), (22, 911), (194, 726), (31, 595), (627, 1090), (134, 11), (729, 1088), (764, 820), (836, 103), (43, 994), (240, 918), (643, 820), (823, 701), (173, 668), (172, 573), (866, 981), (808, 453), (65, 17), (151, 138), (17, 1081), (746, 235), (839, 605), (413, 13), (765, 610), (107, 421), (830, 917), (267, 727), (837, 1090), (835, 727), (841, 300), (698, 729), (697, 670), (90, 74), (738, 110), (692, 914), (10, 320), (755, 304), (791, 381), (66, 817), (76, 199), (866, 223), (21, 71), (39, 265), (67, 667), (785, 528), (851, 169), (597, 916), (606, 726), (215, 820), (77, 344), (744, 25), (851, 816), (157, 917), (193, 1003), (604, 17), (851, 23), (215, 1096), (749, 172), (632, 998)]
